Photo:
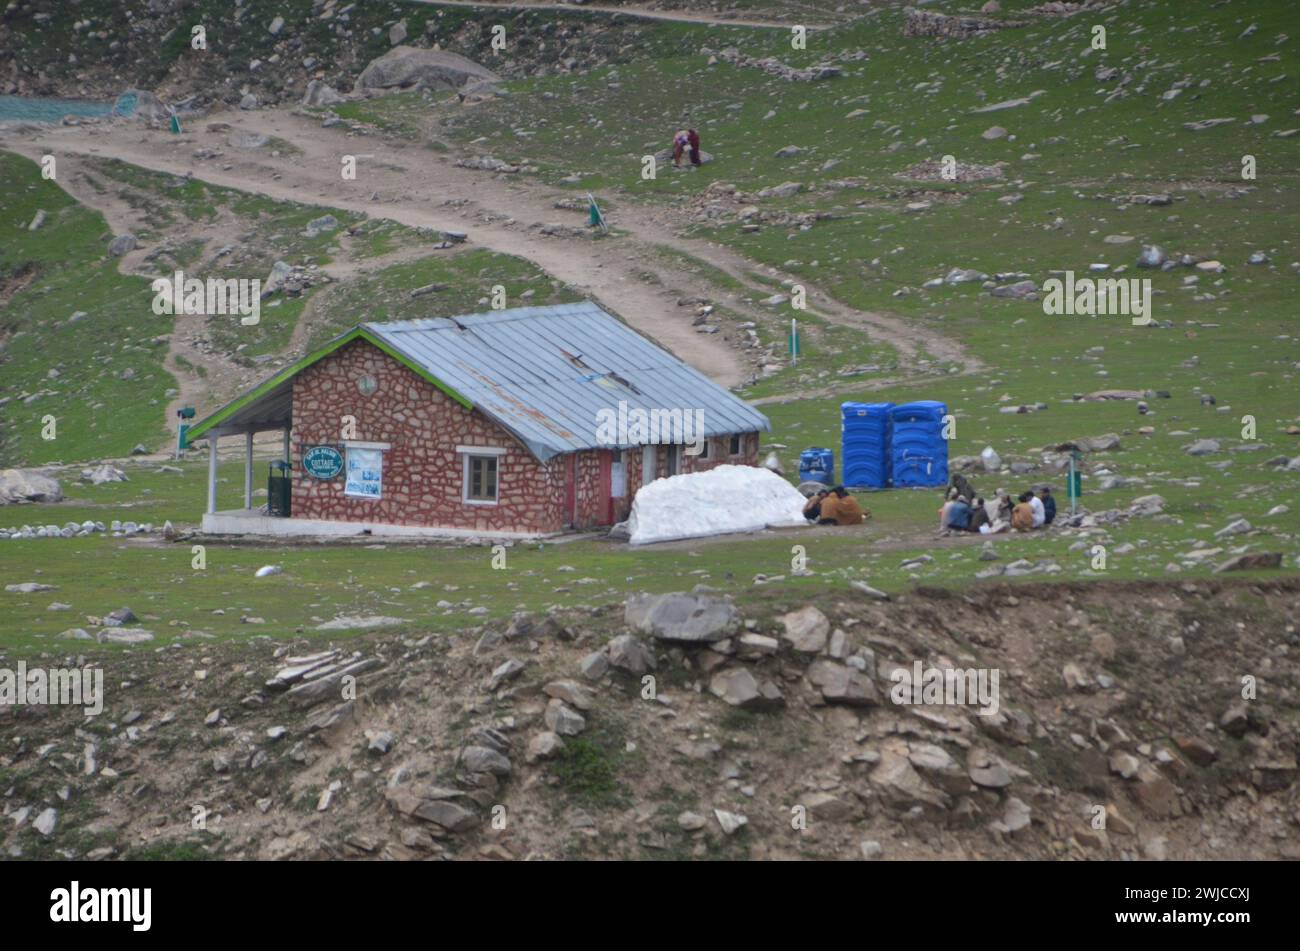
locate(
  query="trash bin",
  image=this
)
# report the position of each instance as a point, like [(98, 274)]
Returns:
[(277, 489)]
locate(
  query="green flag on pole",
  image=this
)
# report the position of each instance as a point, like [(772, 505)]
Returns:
[(594, 216)]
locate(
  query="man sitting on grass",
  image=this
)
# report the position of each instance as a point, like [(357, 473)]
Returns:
[(1039, 510), (1049, 506), (958, 515), (812, 509), (840, 508), (1022, 516)]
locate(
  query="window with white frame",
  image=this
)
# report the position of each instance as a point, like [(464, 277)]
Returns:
[(482, 467)]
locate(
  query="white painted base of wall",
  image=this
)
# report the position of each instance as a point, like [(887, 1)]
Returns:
[(253, 522)]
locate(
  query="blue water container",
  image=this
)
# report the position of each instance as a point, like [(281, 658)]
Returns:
[(865, 444), (919, 451), (817, 465)]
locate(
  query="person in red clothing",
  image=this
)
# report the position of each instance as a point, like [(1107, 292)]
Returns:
[(693, 140), (680, 141), (683, 141)]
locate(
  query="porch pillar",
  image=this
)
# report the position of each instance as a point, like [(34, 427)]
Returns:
[(248, 470), (212, 473), (288, 448)]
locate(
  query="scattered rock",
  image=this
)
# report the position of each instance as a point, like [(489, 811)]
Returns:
[(692, 618)]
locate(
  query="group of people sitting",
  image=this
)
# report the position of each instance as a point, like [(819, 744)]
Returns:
[(834, 507), (964, 511)]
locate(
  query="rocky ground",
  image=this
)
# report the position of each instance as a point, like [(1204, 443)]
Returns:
[(1133, 721), (272, 51)]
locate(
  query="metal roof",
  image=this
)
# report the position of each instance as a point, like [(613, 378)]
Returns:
[(542, 373)]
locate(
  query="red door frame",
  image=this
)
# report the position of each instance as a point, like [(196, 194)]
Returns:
[(571, 491)]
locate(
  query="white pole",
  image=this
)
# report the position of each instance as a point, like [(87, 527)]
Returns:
[(248, 470), (212, 473)]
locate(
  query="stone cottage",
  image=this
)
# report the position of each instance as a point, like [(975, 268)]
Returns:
[(511, 423)]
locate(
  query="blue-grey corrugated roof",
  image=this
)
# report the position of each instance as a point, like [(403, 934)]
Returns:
[(543, 373)]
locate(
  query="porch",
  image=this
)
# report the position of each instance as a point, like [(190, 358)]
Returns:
[(250, 521)]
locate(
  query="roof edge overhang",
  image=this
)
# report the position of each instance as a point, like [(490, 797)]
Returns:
[(359, 332)]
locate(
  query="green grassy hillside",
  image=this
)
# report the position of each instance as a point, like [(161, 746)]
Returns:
[(73, 370)]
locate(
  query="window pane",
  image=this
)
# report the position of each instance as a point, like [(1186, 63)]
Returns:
[(482, 478)]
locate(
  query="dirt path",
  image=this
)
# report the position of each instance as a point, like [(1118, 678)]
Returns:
[(408, 185), (510, 214), (640, 13)]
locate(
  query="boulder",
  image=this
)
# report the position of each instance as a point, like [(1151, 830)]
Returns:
[(738, 687), (829, 807), (627, 653), (1152, 256), (321, 94), (1098, 443), (692, 618), (899, 784), (841, 684), (431, 805), (28, 485), (103, 473), (1147, 505), (571, 692), (148, 107), (730, 822), (806, 630), (405, 66), (664, 157), (322, 225), (784, 190), (544, 746), (1251, 561), (481, 759), (563, 720), (122, 244)]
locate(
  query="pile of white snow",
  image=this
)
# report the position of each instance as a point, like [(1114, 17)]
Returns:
[(717, 502)]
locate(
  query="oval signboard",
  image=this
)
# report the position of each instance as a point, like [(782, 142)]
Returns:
[(322, 462)]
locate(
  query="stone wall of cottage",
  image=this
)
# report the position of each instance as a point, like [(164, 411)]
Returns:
[(422, 473)]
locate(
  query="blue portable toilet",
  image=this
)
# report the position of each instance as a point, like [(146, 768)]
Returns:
[(920, 453), (817, 465), (865, 444)]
